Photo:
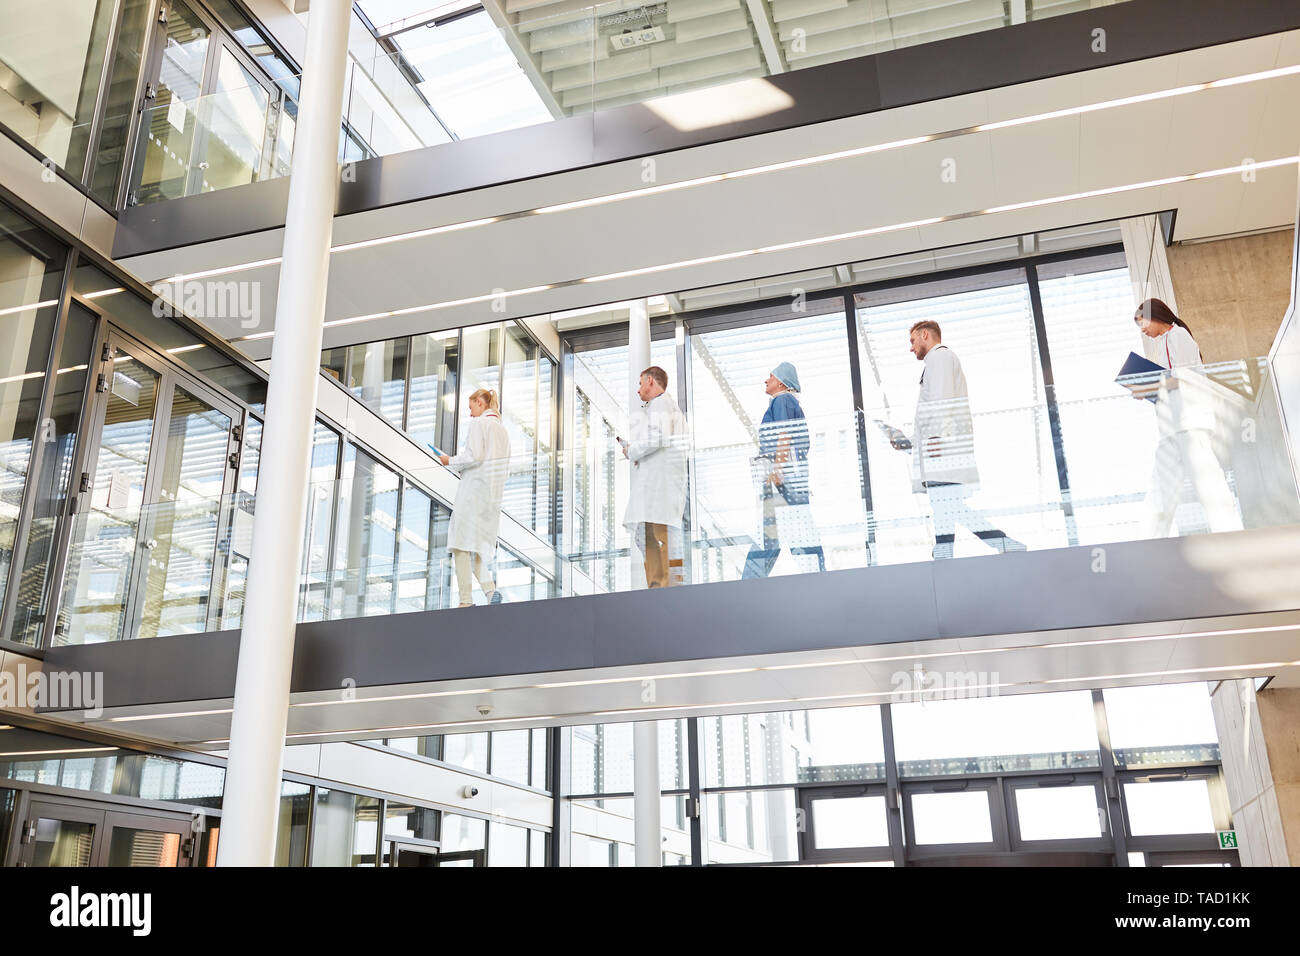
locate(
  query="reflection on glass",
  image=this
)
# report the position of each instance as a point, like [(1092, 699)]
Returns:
[(469, 751), (480, 368), (758, 826), (170, 125), (365, 537), (320, 513), (50, 485), (291, 829), (345, 829), (431, 417), (408, 820), (378, 377), (832, 745), (107, 548), (510, 755), (951, 818), (131, 847), (234, 120), (462, 833), (182, 529), (62, 842)]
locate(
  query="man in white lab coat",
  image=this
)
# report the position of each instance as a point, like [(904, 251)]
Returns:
[(943, 445), (657, 487)]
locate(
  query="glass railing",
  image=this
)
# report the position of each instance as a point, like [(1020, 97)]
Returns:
[(835, 492), (472, 77)]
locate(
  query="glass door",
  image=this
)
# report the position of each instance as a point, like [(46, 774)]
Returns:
[(56, 834), (78, 833), (206, 115), (151, 533), (414, 855)]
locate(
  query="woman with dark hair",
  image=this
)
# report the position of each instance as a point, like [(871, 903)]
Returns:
[(1185, 416)]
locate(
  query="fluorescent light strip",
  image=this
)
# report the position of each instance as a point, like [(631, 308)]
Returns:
[(777, 167), (21, 378), (815, 241), (102, 293), (184, 713), (30, 305), (46, 753)]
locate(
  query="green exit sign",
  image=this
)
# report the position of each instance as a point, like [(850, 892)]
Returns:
[(1227, 839)]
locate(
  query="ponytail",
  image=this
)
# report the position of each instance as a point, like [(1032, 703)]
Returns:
[(488, 395), (1157, 311)]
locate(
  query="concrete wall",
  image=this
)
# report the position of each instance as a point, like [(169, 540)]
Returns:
[(1233, 292), (1261, 764)]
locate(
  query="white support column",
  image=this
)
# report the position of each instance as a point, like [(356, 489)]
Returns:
[(251, 802), (645, 793), (638, 357), (645, 735)]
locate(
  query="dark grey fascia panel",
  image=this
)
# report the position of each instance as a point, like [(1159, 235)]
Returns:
[(970, 597), (1134, 30)]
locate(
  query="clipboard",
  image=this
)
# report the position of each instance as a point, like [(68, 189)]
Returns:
[(1139, 373), (438, 452)]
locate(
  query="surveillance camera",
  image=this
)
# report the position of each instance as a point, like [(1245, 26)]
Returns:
[(484, 709), (469, 791)]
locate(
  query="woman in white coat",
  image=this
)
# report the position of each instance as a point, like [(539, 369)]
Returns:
[(476, 518), (1186, 420)]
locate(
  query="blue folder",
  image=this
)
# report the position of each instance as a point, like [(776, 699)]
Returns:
[(1138, 372), (436, 450)]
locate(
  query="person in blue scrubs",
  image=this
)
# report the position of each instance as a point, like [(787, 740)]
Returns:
[(782, 464)]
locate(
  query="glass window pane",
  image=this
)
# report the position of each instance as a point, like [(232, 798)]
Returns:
[(729, 371), (346, 829), (831, 745), (480, 368), (365, 537), (291, 831), (951, 818), (1169, 723), (119, 104), (466, 750), (48, 89), (1058, 813), (839, 822), (134, 847), (510, 755), (320, 511), (1108, 438), (1169, 806), (601, 760), (462, 833), (62, 843), (508, 845), (408, 820), (988, 322), (432, 413), (378, 377), (541, 757), (994, 734), (536, 847), (758, 826), (55, 471)]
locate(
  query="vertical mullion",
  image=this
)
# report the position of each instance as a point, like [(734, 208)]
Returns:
[(893, 793), (693, 808), (859, 414), (1053, 411), (1109, 779)]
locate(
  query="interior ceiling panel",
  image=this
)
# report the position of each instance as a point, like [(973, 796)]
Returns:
[(1127, 655), (1140, 142)]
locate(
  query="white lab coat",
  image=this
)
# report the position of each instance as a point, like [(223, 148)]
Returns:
[(657, 452), (483, 466), (943, 443), (1190, 405)]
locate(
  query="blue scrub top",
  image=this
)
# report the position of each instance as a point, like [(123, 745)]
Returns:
[(784, 418)]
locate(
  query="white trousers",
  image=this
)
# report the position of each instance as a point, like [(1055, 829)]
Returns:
[(1189, 455), (482, 571)]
